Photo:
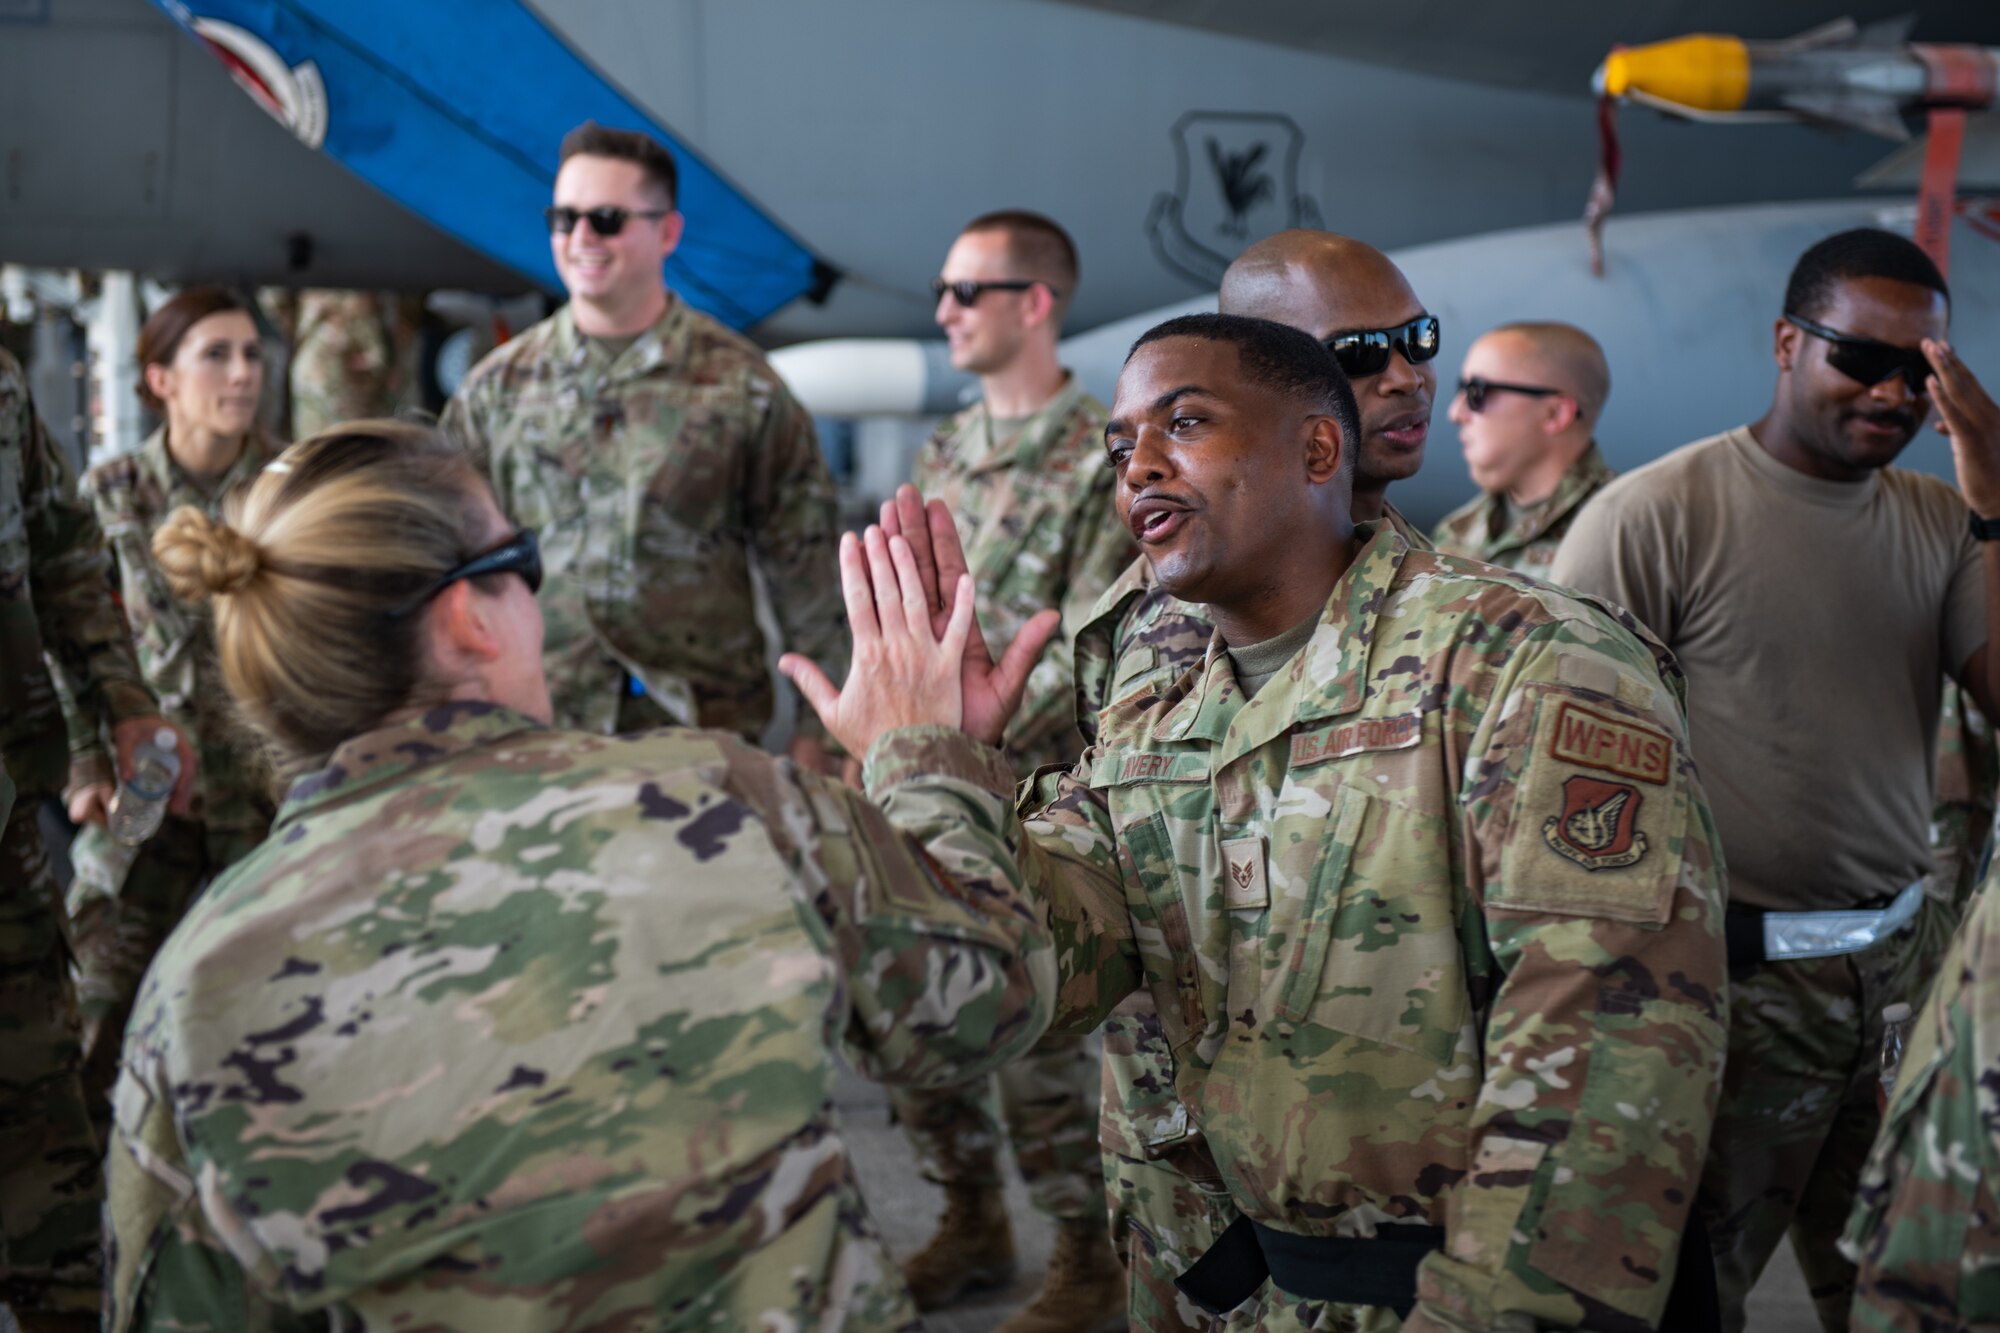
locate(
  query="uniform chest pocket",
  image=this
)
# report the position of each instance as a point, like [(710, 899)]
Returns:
[(1366, 930), (1157, 799)]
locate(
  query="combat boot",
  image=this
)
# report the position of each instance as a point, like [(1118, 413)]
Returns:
[(973, 1249), (1085, 1288)]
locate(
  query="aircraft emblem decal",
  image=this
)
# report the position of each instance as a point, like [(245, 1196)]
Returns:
[(1250, 188), (1599, 824), (293, 95)]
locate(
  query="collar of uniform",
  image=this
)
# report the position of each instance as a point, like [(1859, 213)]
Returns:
[(1037, 435), (1335, 660), (179, 487), (1584, 476), (1392, 517), (376, 757), (663, 345)]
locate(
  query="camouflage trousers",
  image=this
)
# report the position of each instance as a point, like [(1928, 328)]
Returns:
[(1800, 1107), (1048, 1100), (117, 933), (51, 1187)]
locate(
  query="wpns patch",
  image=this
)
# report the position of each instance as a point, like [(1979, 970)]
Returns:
[(1599, 824)]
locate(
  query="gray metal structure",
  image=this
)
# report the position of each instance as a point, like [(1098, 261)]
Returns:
[(1165, 134)]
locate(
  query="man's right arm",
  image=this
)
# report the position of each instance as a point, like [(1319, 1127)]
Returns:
[(1062, 837)]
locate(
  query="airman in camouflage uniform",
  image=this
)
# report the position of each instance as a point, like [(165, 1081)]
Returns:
[(1031, 499), (55, 597), (1034, 512), (568, 1064), (654, 477), (1433, 924), (120, 918), (658, 455), (1529, 397), (350, 361), (1925, 1231)]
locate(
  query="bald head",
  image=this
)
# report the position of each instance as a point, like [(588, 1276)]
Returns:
[(1328, 284), (1541, 387), (1562, 356), (1306, 279)]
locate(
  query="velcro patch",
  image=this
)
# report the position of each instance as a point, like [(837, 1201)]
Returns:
[(1120, 767), (1590, 739), (1244, 882), (1597, 816), (1599, 824), (1359, 737)]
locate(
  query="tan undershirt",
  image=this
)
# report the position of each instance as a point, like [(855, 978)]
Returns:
[(1256, 663), (1815, 620)]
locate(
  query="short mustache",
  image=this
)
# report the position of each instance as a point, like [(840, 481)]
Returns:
[(1890, 416)]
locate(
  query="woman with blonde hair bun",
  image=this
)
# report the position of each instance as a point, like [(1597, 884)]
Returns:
[(513, 1028), (202, 373)]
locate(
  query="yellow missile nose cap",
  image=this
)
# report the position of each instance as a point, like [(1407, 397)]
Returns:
[(1703, 72)]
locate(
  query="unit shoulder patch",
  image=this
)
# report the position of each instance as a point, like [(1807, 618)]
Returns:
[(1599, 824), (1591, 739)]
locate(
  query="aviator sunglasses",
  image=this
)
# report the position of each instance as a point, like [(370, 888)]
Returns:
[(606, 221), (519, 554), (1477, 391), (1365, 352), (1865, 360), (967, 292)]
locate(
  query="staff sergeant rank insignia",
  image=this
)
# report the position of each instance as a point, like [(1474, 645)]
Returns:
[(1599, 824)]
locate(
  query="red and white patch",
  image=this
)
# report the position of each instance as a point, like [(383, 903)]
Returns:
[(1599, 824)]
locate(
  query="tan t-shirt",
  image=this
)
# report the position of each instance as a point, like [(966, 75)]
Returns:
[(1815, 620)]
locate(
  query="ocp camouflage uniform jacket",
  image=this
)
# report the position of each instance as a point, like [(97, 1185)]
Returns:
[(1925, 1230), (55, 597), (1034, 515), (522, 1029), (1480, 529), (653, 478), (132, 496), (1434, 927)]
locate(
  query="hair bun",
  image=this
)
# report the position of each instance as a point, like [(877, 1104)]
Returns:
[(203, 558)]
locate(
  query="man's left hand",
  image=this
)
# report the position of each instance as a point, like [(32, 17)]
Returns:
[(1968, 416)]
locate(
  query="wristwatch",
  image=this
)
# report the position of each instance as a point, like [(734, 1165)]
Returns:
[(1985, 529)]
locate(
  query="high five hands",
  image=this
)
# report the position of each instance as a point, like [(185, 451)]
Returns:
[(919, 657)]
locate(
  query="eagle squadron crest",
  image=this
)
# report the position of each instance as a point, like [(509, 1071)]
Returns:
[(1599, 824)]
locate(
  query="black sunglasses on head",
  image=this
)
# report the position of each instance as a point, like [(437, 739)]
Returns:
[(1365, 352), (1866, 360), (1477, 391), (519, 554), (606, 221), (967, 292)]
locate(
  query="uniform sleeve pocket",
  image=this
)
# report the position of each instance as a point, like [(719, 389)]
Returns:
[(1598, 818), (1628, 1162)]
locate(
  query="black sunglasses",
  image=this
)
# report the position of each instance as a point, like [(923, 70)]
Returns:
[(606, 221), (519, 554), (967, 292), (1867, 361), (1365, 352), (1477, 391)]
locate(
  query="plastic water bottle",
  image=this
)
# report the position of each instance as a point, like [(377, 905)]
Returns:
[(141, 802)]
